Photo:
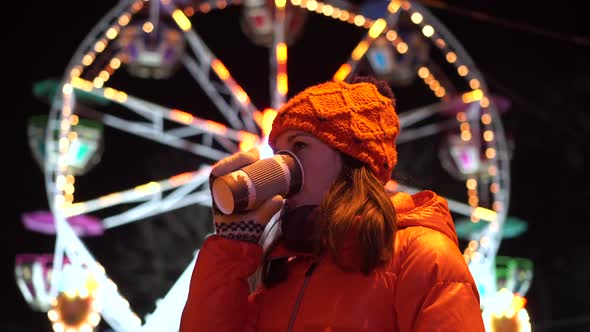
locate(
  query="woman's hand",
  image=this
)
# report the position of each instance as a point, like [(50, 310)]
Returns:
[(248, 225)]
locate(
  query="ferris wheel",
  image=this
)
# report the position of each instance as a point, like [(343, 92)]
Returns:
[(452, 135)]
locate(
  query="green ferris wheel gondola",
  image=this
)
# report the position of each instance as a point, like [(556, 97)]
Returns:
[(46, 90), (85, 151)]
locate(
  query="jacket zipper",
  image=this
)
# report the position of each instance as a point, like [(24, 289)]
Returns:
[(308, 273)]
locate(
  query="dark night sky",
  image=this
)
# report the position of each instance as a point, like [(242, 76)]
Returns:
[(528, 54)]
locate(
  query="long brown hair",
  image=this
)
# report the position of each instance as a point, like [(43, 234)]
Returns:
[(357, 201)]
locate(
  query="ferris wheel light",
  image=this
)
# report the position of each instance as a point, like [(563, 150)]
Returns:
[(281, 53), (428, 30), (246, 145), (416, 18), (75, 309), (377, 28), (342, 72), (268, 117), (183, 22), (485, 214), (58, 327), (360, 50), (474, 95), (394, 6), (506, 312), (282, 84), (220, 69), (311, 5), (88, 59)]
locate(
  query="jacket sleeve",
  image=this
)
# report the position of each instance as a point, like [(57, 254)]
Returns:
[(435, 289), (218, 292)]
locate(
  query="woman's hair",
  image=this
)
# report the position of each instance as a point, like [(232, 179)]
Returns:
[(358, 204)]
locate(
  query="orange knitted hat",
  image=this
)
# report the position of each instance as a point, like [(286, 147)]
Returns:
[(354, 118)]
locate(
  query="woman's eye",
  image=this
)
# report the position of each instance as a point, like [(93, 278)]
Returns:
[(297, 146)]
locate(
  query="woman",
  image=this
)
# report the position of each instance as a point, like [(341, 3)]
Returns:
[(347, 257)]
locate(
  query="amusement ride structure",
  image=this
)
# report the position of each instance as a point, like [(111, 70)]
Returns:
[(401, 42)]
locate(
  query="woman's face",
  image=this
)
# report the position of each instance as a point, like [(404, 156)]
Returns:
[(321, 165)]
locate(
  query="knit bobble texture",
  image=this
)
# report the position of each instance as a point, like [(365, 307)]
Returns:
[(354, 118)]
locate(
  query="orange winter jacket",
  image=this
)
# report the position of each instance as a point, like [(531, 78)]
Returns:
[(427, 286)]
